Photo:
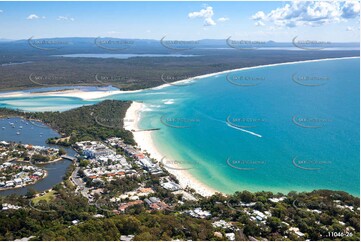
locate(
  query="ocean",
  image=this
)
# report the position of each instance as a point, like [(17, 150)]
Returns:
[(276, 128)]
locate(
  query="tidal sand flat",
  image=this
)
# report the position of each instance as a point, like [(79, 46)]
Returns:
[(278, 127)]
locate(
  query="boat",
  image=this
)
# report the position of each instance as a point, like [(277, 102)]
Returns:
[(18, 133)]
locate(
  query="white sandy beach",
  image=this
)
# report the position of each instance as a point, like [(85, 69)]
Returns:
[(144, 138), (85, 95), (90, 95), (145, 142)]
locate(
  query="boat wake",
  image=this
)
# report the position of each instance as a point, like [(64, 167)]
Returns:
[(228, 124), (244, 130)]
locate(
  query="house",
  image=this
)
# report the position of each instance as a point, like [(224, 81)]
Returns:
[(75, 222), (296, 231), (231, 236), (18, 181), (126, 237), (171, 186)]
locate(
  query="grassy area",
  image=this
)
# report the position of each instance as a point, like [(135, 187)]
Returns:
[(49, 196)]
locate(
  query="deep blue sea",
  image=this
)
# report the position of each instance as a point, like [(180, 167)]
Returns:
[(277, 128)]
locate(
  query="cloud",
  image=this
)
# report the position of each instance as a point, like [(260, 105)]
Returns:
[(259, 16), (308, 13), (64, 18), (259, 23), (1, 11), (205, 13), (351, 9), (32, 17), (223, 19)]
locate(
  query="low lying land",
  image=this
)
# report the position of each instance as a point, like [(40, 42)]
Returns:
[(44, 69)]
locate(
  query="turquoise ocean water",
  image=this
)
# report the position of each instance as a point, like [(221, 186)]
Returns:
[(276, 128)]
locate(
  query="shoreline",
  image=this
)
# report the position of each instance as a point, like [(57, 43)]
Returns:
[(29, 184), (146, 144), (93, 95)]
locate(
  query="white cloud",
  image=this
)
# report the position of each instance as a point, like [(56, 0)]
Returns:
[(259, 23), (309, 13), (351, 9), (349, 28), (259, 16), (205, 13), (64, 18), (32, 17), (223, 19)]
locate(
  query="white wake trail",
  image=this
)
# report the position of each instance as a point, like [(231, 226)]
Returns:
[(244, 130)]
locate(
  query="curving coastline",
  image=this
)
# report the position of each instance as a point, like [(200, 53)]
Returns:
[(145, 143), (144, 138), (93, 95)]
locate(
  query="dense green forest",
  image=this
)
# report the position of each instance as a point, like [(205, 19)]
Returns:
[(46, 69), (96, 122), (52, 220)]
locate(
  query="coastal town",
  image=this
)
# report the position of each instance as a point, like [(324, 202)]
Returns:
[(105, 164), (118, 178), (114, 177), (14, 176), (100, 163), (18, 163), (33, 154)]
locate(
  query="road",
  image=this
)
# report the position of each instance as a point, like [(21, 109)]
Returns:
[(80, 186)]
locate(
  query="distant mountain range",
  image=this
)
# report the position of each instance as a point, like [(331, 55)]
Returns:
[(100, 45)]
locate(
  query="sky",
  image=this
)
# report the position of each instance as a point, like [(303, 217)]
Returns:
[(270, 20)]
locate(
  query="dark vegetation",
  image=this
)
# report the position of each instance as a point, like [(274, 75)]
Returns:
[(55, 223), (97, 122), (45, 69)]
